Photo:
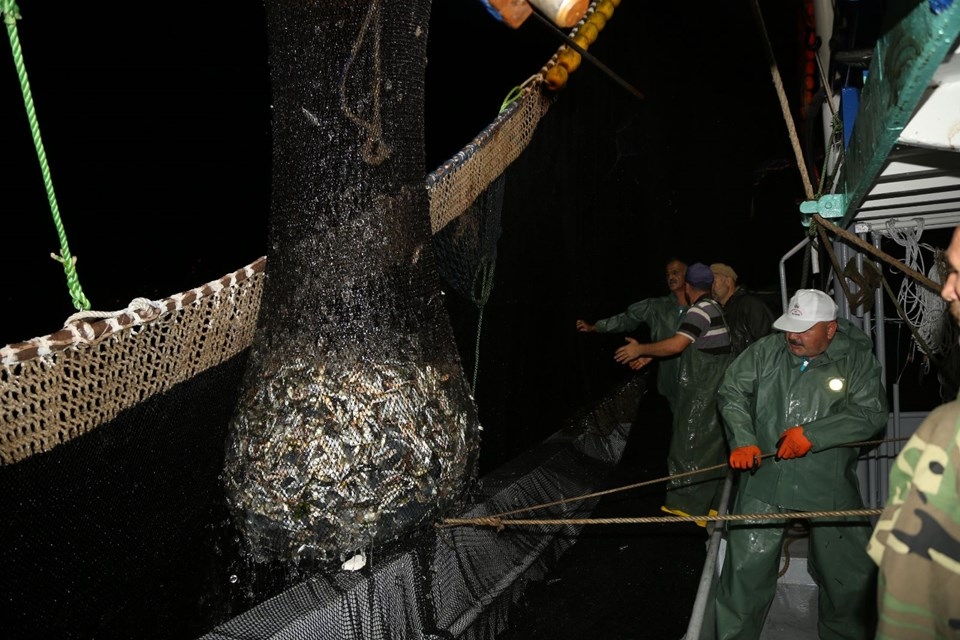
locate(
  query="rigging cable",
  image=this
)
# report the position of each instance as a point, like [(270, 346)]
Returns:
[(570, 42), (498, 521), (784, 106), (922, 307)]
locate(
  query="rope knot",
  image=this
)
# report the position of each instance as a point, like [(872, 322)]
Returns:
[(11, 13), (59, 258), (491, 521)]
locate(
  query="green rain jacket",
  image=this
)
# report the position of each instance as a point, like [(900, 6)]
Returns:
[(662, 315), (767, 390)]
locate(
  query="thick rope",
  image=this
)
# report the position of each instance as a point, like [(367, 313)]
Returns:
[(374, 149), (784, 106), (869, 248), (10, 16), (499, 521), (836, 266), (137, 305)]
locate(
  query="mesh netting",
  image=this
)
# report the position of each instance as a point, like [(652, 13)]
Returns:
[(467, 247), (123, 532), (356, 423), (58, 387), (456, 184)]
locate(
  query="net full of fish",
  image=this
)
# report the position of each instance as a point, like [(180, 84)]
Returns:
[(324, 460)]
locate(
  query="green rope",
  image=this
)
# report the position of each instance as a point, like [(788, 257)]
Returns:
[(10, 16), (512, 97)]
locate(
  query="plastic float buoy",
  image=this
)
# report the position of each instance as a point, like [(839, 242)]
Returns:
[(569, 59), (605, 8), (556, 77)]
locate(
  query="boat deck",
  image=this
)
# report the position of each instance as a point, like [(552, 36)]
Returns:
[(793, 614)]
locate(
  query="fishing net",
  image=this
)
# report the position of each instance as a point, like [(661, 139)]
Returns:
[(467, 247), (114, 523), (355, 423)]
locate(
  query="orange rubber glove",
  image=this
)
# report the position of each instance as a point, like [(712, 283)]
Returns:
[(745, 457), (793, 444)]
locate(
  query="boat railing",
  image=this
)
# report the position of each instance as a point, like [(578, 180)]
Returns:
[(700, 626)]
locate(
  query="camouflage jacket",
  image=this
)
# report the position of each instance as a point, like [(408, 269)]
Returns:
[(916, 542)]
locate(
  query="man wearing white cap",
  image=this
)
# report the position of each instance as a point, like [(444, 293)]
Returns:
[(802, 394)]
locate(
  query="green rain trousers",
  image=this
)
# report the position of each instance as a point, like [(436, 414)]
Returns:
[(697, 440), (846, 599)]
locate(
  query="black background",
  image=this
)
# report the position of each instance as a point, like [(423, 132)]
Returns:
[(157, 129)]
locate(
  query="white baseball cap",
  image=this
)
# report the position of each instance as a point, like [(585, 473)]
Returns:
[(806, 308)]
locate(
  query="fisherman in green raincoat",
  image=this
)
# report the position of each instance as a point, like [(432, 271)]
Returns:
[(662, 315), (803, 394), (702, 345)]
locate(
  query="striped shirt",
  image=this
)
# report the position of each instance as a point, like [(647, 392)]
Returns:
[(703, 323)]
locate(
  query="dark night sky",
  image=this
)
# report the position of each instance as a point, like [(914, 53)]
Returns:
[(157, 131)]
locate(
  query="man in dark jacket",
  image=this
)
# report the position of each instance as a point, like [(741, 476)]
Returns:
[(748, 317)]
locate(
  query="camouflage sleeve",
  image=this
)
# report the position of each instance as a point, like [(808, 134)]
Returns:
[(916, 541)]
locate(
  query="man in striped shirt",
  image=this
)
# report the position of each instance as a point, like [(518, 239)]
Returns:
[(697, 441)]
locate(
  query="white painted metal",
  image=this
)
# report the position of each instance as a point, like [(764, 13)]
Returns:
[(921, 178), (936, 124)]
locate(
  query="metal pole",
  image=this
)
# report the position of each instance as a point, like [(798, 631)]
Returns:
[(710, 572), (784, 298)]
